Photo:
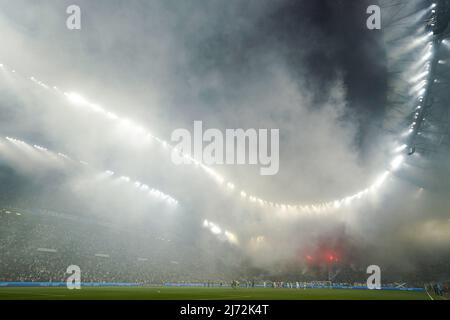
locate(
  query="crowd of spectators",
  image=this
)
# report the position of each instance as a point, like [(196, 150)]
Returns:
[(38, 246)]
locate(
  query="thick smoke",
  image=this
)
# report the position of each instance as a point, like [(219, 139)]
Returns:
[(309, 68)]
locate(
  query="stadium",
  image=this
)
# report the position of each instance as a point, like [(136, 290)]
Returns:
[(94, 207)]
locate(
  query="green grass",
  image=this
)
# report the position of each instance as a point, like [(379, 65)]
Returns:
[(167, 293)]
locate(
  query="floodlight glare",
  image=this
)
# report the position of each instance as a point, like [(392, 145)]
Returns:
[(401, 148), (76, 98), (395, 164)]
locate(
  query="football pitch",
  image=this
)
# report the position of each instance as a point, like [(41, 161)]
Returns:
[(171, 293)]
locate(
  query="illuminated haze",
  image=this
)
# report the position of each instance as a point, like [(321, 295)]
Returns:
[(309, 68)]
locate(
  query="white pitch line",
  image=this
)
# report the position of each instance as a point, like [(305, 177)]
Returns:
[(429, 294), (226, 297)]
